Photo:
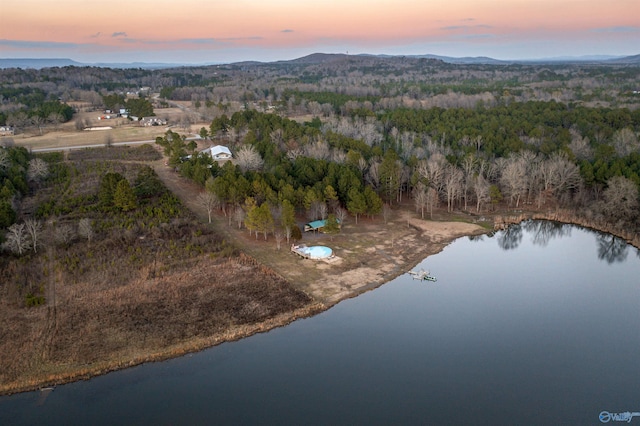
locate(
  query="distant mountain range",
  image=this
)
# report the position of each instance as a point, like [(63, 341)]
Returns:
[(603, 59), (317, 58)]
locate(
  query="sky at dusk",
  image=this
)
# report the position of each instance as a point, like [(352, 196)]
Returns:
[(213, 31)]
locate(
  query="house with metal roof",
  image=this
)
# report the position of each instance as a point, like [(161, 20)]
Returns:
[(219, 152)]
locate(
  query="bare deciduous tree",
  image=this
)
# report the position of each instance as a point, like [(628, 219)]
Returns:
[(338, 156), (33, 227), (433, 170), (292, 154), (288, 231), (85, 230), (314, 108), (322, 211), (362, 165), (453, 181), (316, 209), (18, 120), (580, 146), (514, 179), (239, 215), (80, 124), (620, 199), (64, 234), (373, 174), (209, 201), (38, 170), (625, 141), (420, 198), (38, 123), (469, 167), (406, 145), (277, 137), (185, 122), (17, 239), (278, 237), (432, 200), (341, 215), (481, 189), (318, 150), (55, 118), (248, 158), (564, 174)]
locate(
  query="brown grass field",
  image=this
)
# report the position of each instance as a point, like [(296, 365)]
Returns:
[(122, 130)]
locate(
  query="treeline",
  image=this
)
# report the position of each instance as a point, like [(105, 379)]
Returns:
[(336, 100), (27, 105), (545, 127), (18, 171)]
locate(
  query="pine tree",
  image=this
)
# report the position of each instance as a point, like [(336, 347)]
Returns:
[(124, 198), (331, 226), (250, 220), (107, 190), (264, 219), (356, 204)]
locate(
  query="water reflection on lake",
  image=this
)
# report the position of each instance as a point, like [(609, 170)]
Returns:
[(537, 324)]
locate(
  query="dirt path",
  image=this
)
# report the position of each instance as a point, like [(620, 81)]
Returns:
[(186, 190)]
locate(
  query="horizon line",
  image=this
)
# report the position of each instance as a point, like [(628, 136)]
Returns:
[(530, 59)]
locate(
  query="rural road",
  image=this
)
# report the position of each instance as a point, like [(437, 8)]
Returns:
[(70, 147)]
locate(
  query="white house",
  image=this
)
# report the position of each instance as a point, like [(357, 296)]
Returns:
[(152, 121), (6, 131), (219, 152)]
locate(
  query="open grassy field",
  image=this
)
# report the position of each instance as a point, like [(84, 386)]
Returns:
[(122, 130)]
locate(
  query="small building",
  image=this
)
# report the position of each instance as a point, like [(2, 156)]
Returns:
[(6, 131), (152, 121), (316, 225), (219, 152)]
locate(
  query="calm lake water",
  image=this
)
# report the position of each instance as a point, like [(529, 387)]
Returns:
[(536, 325)]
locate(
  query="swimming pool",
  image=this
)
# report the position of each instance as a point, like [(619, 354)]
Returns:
[(317, 252)]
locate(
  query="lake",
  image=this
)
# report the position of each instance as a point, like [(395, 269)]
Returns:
[(538, 324)]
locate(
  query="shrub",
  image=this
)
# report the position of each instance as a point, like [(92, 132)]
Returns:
[(32, 300)]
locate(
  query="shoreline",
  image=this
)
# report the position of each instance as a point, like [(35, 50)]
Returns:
[(568, 218), (171, 352)]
